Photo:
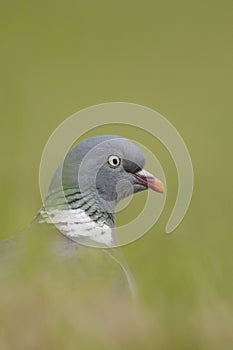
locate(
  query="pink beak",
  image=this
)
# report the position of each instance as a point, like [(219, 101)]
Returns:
[(150, 181)]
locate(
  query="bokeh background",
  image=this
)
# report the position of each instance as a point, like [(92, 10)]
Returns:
[(174, 57)]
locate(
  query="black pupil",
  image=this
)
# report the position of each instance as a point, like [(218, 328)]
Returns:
[(115, 161)]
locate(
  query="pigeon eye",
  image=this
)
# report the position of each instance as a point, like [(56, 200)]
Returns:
[(114, 161)]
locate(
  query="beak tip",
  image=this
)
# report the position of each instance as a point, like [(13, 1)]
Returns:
[(158, 186)]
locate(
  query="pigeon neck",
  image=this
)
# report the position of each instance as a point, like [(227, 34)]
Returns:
[(79, 216), (89, 202)]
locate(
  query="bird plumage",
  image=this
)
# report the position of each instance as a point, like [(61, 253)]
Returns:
[(85, 189)]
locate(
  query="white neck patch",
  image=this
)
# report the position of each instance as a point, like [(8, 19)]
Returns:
[(75, 223)]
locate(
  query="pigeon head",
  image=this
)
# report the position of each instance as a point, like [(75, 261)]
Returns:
[(96, 174), (110, 167)]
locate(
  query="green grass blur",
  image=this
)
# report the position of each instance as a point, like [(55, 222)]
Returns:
[(174, 57)]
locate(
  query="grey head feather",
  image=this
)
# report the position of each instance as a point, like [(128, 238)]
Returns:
[(85, 175)]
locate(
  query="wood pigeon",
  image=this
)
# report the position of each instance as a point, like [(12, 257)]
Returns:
[(94, 176)]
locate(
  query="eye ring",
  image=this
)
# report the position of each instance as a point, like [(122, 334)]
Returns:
[(114, 161)]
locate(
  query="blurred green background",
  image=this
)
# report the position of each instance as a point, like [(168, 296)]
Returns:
[(174, 57)]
